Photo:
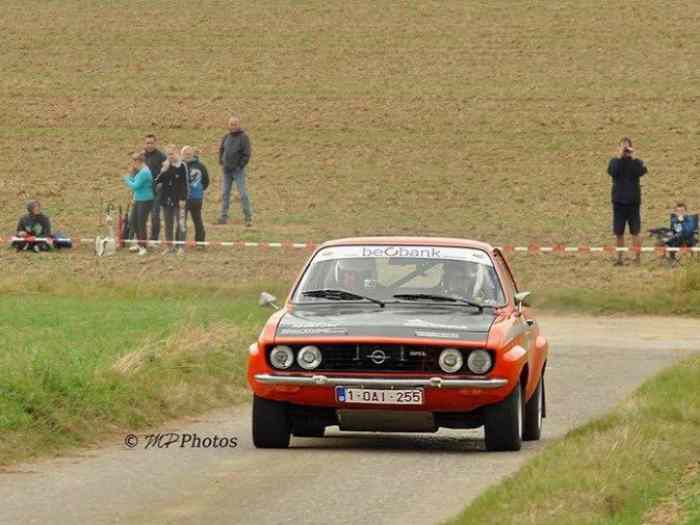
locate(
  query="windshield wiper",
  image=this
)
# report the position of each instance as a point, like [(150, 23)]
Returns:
[(340, 295), (431, 297)]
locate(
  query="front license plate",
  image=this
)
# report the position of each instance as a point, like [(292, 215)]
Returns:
[(370, 396)]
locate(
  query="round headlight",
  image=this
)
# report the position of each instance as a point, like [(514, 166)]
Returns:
[(281, 357), (450, 360), (309, 357), (479, 361)]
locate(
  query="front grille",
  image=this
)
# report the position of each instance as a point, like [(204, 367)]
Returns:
[(385, 358), (380, 357)]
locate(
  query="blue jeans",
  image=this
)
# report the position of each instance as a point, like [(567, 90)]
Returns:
[(239, 177)]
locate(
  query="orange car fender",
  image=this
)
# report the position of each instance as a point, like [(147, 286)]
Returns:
[(256, 355), (509, 364)]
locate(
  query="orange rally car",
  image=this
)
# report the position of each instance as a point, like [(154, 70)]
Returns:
[(400, 334)]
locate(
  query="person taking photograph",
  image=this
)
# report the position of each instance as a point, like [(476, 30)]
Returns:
[(625, 171), (140, 180), (174, 190)]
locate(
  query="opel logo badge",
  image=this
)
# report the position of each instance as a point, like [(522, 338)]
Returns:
[(378, 356)]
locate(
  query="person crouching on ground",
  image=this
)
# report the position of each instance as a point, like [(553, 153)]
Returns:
[(140, 180), (198, 182), (626, 171), (34, 225), (174, 180)]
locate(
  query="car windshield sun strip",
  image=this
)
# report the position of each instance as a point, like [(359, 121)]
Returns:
[(340, 295), (431, 297)]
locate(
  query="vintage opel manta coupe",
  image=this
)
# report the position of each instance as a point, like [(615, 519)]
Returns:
[(400, 334)]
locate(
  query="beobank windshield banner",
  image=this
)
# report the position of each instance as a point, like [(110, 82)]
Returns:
[(407, 252)]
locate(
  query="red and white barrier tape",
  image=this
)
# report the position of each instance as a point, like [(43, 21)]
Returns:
[(530, 249)]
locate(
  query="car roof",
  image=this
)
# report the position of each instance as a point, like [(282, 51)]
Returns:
[(411, 241)]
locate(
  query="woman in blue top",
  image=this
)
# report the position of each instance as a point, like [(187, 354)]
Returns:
[(140, 180)]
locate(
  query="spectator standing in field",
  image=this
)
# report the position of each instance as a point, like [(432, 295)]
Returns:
[(173, 198), (198, 182), (626, 171), (234, 154), (154, 159), (140, 180), (31, 226)]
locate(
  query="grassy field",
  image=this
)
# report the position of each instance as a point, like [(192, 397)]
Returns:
[(491, 120), (79, 363), (637, 465)]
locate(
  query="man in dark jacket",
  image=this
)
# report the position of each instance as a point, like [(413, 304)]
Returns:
[(174, 191), (234, 154), (154, 159), (31, 226), (626, 171)]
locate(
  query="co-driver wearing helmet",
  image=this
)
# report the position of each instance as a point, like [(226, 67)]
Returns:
[(355, 275)]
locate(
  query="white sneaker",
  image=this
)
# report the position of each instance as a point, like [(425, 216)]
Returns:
[(181, 251), (142, 251), (133, 248)]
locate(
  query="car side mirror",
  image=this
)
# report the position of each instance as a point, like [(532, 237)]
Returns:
[(521, 299), (267, 299)]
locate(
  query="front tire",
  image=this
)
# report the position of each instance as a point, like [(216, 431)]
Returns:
[(503, 423), (534, 410), (271, 425)]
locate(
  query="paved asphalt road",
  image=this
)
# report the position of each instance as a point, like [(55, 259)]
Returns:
[(345, 478)]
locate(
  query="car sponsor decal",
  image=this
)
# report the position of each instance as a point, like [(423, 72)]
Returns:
[(313, 331), (410, 252), (437, 335), (421, 323)]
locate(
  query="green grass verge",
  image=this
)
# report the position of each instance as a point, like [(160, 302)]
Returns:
[(679, 294), (636, 465), (79, 362)]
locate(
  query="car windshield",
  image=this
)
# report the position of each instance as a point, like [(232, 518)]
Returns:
[(414, 273)]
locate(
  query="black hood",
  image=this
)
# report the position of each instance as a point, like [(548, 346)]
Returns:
[(440, 322)]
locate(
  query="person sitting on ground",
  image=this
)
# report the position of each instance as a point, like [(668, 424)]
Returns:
[(140, 180), (34, 228), (199, 182), (684, 228), (682, 232)]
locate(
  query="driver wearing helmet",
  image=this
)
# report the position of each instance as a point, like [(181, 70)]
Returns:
[(355, 275)]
